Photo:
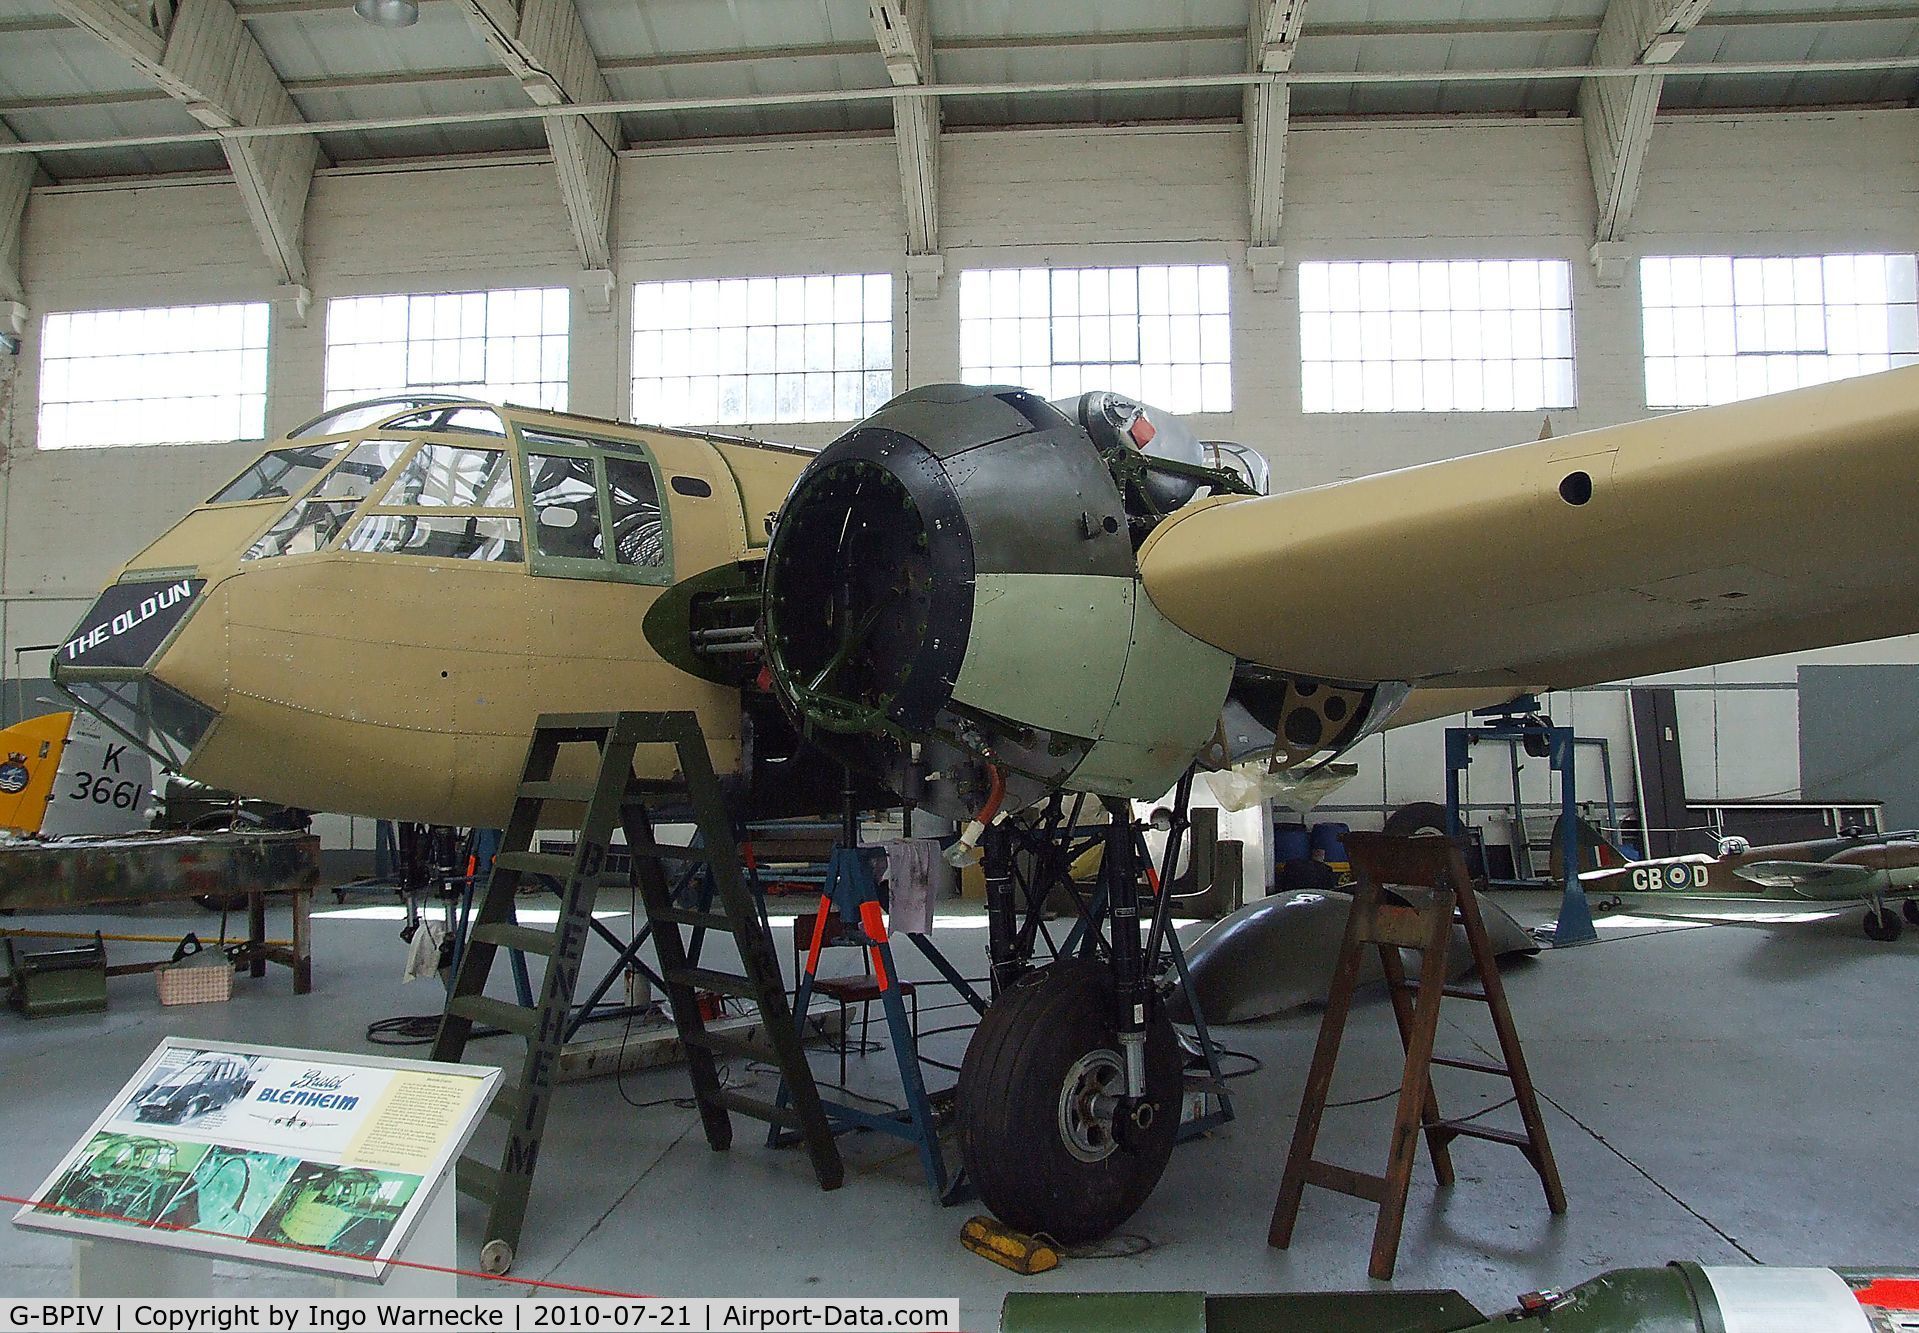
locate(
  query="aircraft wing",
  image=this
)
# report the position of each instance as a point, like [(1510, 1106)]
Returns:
[(1822, 881), (1773, 525)]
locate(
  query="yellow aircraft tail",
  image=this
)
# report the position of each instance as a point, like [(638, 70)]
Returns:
[(29, 761)]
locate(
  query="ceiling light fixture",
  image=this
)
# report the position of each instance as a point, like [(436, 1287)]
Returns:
[(388, 13)]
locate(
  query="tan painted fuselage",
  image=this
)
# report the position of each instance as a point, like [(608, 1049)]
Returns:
[(405, 686)]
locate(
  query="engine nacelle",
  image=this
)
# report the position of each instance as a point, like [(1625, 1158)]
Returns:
[(953, 583)]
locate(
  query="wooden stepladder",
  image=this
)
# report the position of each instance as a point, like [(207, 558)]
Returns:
[(1429, 873)]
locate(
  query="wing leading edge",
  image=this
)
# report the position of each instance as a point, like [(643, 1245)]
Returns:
[(1774, 525)]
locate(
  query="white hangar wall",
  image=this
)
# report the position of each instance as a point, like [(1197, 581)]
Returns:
[(1770, 184)]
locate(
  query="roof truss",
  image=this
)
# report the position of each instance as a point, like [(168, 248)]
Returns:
[(905, 38), (1271, 39), (543, 44), (201, 54), (1618, 112)]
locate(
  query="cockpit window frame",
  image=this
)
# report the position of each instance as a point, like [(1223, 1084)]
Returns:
[(536, 437), (378, 506), (403, 404)]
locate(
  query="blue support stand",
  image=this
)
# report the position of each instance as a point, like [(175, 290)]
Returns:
[(1518, 723), (852, 893)]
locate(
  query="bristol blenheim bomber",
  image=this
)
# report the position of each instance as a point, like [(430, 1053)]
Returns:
[(977, 598)]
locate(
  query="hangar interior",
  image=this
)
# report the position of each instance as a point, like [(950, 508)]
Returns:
[(1354, 235)]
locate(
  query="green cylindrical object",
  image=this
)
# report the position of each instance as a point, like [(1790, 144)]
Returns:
[(1673, 1299), (1679, 1298), (1132, 1311)]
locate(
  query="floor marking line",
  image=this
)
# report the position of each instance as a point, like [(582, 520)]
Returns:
[(1603, 1142), (610, 1208)]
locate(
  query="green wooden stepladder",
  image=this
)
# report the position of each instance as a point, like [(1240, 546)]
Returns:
[(614, 797)]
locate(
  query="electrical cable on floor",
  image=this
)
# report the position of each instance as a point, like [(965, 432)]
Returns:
[(1122, 1245), (1485, 1110), (404, 1030), (1365, 1101), (1253, 1063)]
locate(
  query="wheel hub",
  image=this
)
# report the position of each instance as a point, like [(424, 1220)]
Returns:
[(1088, 1100)]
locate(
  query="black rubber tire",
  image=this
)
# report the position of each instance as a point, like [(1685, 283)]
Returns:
[(1008, 1104), (1910, 909), (1884, 926), (1415, 818)]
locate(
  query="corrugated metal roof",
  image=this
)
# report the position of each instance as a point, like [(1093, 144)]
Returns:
[(59, 82)]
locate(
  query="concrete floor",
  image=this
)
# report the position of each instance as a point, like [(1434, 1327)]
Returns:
[(1723, 1093)]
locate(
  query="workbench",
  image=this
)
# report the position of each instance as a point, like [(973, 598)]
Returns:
[(125, 870)]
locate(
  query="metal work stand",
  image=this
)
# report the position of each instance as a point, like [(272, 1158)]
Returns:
[(1521, 724), (1435, 870), (852, 894)]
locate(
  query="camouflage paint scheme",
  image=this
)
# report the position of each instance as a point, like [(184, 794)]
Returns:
[(1797, 875)]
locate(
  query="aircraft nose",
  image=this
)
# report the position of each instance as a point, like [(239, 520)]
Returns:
[(106, 665)]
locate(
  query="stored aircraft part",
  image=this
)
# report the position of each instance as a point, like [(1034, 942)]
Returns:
[(1416, 818), (1043, 1132), (84, 872), (1570, 593), (30, 754), (1277, 954), (1679, 1298)]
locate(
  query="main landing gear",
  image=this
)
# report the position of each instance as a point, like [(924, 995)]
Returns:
[(1071, 1092), (1882, 923)]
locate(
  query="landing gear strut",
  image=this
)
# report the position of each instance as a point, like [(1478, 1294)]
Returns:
[(1071, 1093)]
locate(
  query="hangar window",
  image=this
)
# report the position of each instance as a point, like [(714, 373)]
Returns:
[(1468, 335), (1162, 333), (767, 350), (164, 376), (509, 344), (1723, 327)]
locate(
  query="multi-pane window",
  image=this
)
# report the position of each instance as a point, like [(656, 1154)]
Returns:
[(765, 350), (1436, 335), (164, 376), (1162, 333), (1720, 328), (509, 345)]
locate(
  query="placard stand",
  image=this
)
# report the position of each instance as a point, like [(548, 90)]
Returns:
[(104, 1268)]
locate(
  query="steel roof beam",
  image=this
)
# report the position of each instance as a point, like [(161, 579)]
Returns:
[(543, 44), (1617, 114), (836, 96)]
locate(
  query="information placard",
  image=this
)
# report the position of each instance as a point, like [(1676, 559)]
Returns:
[(306, 1159)]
